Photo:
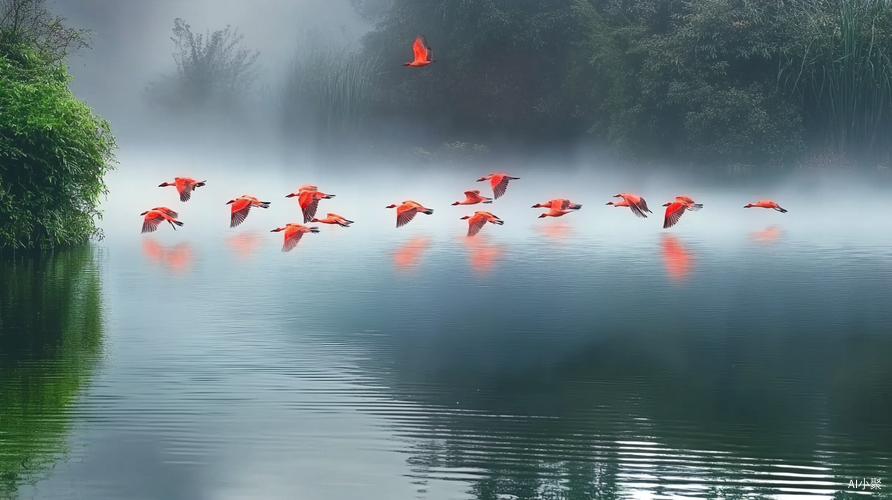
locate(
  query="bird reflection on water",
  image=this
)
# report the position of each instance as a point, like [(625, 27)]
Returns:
[(243, 244), (768, 235), (406, 257), (555, 232), (676, 258), (482, 255), (176, 258)]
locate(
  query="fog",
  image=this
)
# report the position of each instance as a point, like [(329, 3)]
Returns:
[(132, 46)]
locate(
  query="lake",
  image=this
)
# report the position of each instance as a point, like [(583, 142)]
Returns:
[(739, 354)]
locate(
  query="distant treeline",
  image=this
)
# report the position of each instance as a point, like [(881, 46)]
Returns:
[(707, 81)]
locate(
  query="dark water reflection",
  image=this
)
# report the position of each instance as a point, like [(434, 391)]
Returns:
[(51, 329), (593, 357)]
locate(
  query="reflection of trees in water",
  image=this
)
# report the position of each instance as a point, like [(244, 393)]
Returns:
[(722, 414), (50, 338)]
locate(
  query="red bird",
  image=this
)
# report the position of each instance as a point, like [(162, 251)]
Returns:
[(241, 206), (184, 185), (406, 212), (568, 205), (331, 218), (155, 216), (478, 220), (308, 198), (499, 183), (424, 55), (677, 208), (293, 234), (472, 197), (634, 202), (766, 204), (559, 207)]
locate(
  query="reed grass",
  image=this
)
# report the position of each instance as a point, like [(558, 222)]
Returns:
[(328, 93), (843, 71)]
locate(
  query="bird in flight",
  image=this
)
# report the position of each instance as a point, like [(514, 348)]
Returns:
[(424, 55)]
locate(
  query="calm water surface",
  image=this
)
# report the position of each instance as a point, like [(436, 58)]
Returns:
[(738, 354)]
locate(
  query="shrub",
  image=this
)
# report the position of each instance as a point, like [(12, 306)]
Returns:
[(209, 68), (54, 154), (328, 93)]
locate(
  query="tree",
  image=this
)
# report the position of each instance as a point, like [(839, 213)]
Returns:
[(54, 151), (29, 22), (211, 67), (500, 66)]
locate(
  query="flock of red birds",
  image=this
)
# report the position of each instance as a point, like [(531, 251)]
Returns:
[(308, 197)]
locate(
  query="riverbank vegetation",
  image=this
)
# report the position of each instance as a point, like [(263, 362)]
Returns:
[(718, 82), (54, 151)]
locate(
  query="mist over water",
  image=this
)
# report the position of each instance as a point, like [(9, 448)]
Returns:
[(740, 353)]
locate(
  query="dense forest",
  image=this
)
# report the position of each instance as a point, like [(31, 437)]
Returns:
[(699, 81)]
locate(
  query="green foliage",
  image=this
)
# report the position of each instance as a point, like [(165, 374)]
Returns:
[(328, 93), (29, 23), (54, 154), (50, 338), (696, 85), (841, 68), (499, 65), (695, 80), (212, 68)]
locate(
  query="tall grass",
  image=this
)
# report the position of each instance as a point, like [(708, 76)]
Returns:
[(841, 68), (328, 93)]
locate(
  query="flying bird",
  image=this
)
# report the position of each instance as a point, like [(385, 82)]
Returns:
[(499, 183), (293, 234), (333, 219), (406, 212), (677, 208), (157, 215), (424, 55), (308, 197), (558, 207), (569, 205), (478, 220), (634, 202), (766, 204), (167, 211), (472, 197), (184, 185), (241, 206)]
